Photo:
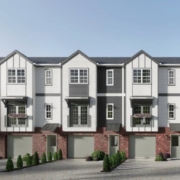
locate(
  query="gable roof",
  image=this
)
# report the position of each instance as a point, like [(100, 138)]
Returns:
[(139, 53), (12, 54), (76, 53)]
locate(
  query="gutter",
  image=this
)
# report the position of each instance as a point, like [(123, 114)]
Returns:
[(120, 65), (169, 64), (42, 65)]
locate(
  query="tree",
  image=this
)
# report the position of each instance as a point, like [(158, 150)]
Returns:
[(43, 158), (35, 159), (9, 165), (106, 163), (19, 162)]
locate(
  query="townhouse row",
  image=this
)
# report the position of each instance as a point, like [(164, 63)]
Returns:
[(81, 104)]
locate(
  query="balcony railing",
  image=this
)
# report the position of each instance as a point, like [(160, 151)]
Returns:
[(142, 122), (79, 121), (15, 122)]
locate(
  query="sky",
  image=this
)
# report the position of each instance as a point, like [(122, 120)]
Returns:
[(96, 27)]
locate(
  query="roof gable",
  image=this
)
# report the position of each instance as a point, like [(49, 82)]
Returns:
[(12, 54), (139, 53), (75, 54)]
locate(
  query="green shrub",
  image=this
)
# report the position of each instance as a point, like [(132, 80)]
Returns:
[(9, 165), (49, 156), (110, 161), (106, 163), (59, 154), (98, 155), (35, 159), (113, 160), (25, 156), (120, 158), (28, 160), (19, 162), (43, 158), (55, 156), (159, 158), (117, 159), (123, 155)]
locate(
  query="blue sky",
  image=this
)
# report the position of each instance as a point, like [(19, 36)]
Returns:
[(96, 27)]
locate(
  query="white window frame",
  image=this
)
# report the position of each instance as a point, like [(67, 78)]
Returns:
[(173, 70), (78, 75), (51, 77), (16, 76), (48, 104), (110, 70), (170, 118), (141, 76), (108, 111)]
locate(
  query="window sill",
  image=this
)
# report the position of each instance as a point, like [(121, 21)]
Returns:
[(142, 83)]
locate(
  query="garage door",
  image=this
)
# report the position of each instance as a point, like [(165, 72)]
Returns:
[(142, 146), (19, 145), (80, 146)]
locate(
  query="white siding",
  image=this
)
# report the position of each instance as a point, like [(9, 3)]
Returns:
[(80, 61)]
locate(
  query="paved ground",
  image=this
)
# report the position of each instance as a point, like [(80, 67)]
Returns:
[(80, 169)]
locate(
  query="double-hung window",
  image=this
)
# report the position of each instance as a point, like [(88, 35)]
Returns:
[(16, 76), (109, 111), (79, 76), (48, 77), (141, 76), (171, 111), (171, 77), (110, 77), (48, 111)]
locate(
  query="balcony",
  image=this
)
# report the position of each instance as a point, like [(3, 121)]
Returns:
[(79, 121), (15, 122)]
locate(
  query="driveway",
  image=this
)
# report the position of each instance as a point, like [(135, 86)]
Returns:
[(80, 169)]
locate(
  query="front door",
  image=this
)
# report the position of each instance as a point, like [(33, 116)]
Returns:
[(113, 144), (175, 146), (51, 144)]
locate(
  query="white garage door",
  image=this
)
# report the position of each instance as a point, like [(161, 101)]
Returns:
[(142, 147), (19, 145), (80, 146)]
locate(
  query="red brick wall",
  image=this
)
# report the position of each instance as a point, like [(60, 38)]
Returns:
[(2, 146)]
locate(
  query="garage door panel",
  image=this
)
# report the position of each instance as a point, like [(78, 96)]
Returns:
[(142, 146), (80, 146), (19, 145)]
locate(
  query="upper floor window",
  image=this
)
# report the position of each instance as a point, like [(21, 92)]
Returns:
[(171, 111), (16, 76), (142, 109), (48, 77), (141, 76), (78, 76), (110, 111), (48, 111), (171, 77), (110, 77)]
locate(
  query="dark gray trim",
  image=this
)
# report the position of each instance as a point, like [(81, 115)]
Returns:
[(169, 94), (76, 53), (48, 94)]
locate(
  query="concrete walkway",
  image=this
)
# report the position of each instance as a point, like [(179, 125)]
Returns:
[(141, 169)]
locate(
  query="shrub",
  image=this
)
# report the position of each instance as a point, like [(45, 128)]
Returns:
[(106, 163), (25, 156), (29, 161), (165, 156), (49, 156), (159, 158), (98, 155), (55, 156), (113, 160), (89, 158), (60, 154), (19, 162), (35, 159), (123, 155), (110, 161), (9, 165), (117, 159), (43, 158)]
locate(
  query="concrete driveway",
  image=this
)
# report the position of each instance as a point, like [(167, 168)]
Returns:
[(80, 169)]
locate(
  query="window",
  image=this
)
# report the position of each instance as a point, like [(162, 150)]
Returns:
[(142, 76), (171, 77), (48, 111), (16, 76), (110, 77), (171, 111), (78, 76), (142, 109), (110, 111), (48, 77)]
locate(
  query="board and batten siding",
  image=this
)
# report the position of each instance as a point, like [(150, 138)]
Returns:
[(102, 101), (102, 87), (27, 89), (141, 90), (79, 61)]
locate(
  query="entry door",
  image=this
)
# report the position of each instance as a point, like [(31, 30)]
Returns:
[(79, 115), (51, 144), (113, 144), (175, 146)]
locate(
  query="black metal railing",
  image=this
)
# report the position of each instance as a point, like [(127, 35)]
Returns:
[(79, 121)]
